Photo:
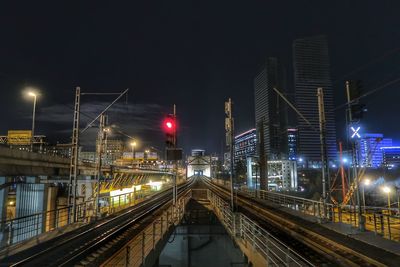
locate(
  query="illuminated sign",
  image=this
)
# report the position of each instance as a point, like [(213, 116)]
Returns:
[(19, 137), (355, 132)]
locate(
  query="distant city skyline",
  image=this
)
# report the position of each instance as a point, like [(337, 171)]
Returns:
[(165, 62)]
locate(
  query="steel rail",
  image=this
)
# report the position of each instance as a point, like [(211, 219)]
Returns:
[(270, 234), (114, 233), (159, 200), (311, 239)]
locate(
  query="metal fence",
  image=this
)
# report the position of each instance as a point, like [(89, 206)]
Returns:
[(252, 235), (377, 220), (16, 230), (136, 251)]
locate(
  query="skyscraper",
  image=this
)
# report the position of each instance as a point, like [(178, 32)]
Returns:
[(312, 70), (270, 110)]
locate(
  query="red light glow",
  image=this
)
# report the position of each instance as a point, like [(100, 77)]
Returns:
[(169, 125)]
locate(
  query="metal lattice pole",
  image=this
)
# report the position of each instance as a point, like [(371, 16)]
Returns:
[(73, 171), (324, 154)]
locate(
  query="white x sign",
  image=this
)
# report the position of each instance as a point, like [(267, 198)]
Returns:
[(355, 132)]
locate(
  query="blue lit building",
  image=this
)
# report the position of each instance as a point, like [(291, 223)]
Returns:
[(292, 143), (245, 145), (370, 149), (391, 156)]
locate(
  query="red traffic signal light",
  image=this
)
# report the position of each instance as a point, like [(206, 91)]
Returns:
[(169, 125)]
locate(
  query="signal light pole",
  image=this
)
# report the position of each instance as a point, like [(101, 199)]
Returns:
[(354, 158), (175, 190), (171, 143)]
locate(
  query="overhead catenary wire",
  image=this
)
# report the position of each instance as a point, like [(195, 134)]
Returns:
[(295, 109), (121, 130), (107, 108), (368, 93)]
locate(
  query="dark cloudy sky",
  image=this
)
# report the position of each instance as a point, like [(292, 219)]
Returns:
[(192, 53)]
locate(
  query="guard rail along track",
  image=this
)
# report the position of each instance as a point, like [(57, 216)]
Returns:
[(338, 254)]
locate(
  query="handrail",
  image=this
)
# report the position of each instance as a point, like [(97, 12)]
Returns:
[(271, 248), (380, 220), (16, 230), (63, 208)]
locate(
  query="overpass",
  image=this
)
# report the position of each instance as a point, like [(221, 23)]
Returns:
[(33, 191), (266, 232)]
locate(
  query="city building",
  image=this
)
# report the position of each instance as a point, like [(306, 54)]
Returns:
[(199, 164), (245, 145), (311, 66), (88, 156), (369, 149), (282, 174), (391, 156), (62, 150), (292, 143), (198, 152), (114, 150), (270, 109)]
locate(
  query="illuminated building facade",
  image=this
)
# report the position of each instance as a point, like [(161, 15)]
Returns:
[(245, 145), (391, 156), (292, 143), (370, 149)]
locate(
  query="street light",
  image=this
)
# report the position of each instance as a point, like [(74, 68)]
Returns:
[(386, 189), (133, 145), (34, 95), (366, 182)]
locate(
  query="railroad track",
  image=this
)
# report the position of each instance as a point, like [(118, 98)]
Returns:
[(74, 247), (317, 248)]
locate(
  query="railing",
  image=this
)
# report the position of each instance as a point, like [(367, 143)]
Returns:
[(251, 234), (376, 220), (16, 230), (136, 251)]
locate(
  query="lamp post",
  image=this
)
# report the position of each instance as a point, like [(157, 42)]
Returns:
[(366, 182), (133, 145), (32, 94), (386, 189)]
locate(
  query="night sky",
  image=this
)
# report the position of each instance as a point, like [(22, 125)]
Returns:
[(195, 54)]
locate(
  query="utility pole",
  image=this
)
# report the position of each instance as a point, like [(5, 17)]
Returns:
[(175, 191), (229, 127), (342, 173), (100, 146), (33, 120), (73, 171), (324, 154), (354, 160)]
